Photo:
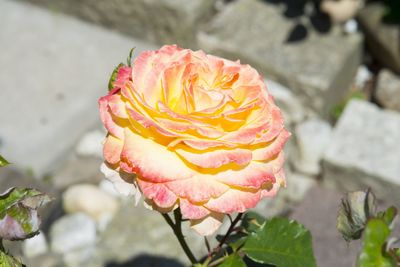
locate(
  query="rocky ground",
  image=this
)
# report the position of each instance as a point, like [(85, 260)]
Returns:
[(56, 67)]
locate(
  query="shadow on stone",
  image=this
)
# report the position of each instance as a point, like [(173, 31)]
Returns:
[(145, 260)]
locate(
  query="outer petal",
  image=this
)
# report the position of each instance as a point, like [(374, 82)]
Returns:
[(108, 119), (207, 225), (253, 176), (216, 158), (269, 150), (198, 189), (234, 201), (117, 106), (157, 192), (112, 149), (152, 161), (124, 183), (192, 211)]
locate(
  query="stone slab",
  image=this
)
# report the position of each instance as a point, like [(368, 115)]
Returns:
[(318, 213), (365, 151), (54, 70), (318, 69), (159, 21), (312, 137)]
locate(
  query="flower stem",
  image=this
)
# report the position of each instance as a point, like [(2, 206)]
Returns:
[(177, 228), (218, 248)]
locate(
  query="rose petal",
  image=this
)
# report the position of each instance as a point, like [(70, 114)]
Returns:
[(270, 150), (112, 149), (208, 225), (157, 192), (124, 183), (216, 158), (234, 201), (192, 211), (198, 189), (152, 161)]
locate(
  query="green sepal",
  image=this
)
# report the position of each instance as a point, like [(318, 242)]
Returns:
[(129, 59), (114, 76), (355, 210), (388, 215)]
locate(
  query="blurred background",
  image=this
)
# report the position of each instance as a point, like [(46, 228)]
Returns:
[(332, 66)]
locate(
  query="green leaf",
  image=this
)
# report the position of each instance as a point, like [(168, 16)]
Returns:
[(281, 242), (18, 213), (114, 76), (388, 216), (233, 260), (356, 208), (3, 161), (373, 251), (9, 261), (252, 221)]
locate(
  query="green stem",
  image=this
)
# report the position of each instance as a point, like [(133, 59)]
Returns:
[(1, 245), (177, 228), (218, 248)]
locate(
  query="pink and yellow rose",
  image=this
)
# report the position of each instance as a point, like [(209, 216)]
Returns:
[(195, 131)]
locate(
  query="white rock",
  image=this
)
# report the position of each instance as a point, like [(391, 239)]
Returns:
[(350, 26), (35, 246), (79, 257), (342, 10), (388, 90), (363, 75), (297, 185), (312, 138), (108, 187), (91, 144), (72, 232), (290, 106), (90, 200), (365, 151)]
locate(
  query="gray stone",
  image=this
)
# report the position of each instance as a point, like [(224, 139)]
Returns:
[(365, 151), (45, 260), (56, 69), (35, 246), (72, 232), (388, 90), (317, 69), (318, 213), (292, 109), (159, 21), (383, 39), (80, 257), (77, 170), (312, 138), (89, 199)]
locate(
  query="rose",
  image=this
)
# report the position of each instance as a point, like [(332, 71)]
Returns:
[(193, 131)]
